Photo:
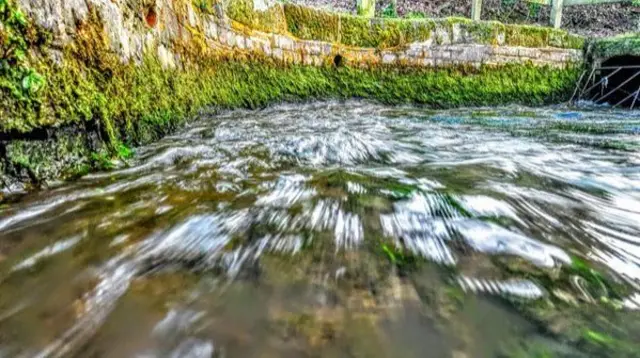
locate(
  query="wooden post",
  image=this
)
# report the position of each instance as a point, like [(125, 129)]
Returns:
[(476, 10), (556, 13)]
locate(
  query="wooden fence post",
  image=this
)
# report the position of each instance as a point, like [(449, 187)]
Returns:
[(556, 13), (476, 9)]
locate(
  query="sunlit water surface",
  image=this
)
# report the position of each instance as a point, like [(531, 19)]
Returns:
[(335, 230)]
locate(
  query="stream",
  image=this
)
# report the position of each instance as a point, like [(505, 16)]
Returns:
[(338, 229)]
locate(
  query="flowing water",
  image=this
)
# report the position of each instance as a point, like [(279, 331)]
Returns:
[(338, 230)]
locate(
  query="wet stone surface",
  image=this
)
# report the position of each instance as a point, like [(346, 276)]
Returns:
[(339, 230)]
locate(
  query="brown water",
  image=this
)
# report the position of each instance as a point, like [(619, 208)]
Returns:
[(338, 230)]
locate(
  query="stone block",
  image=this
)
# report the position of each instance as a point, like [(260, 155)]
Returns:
[(317, 61), (241, 42), (474, 53), (210, 29), (165, 57), (421, 46), (506, 51), (529, 52), (266, 48), (456, 34), (307, 60), (428, 62), (443, 37), (278, 53), (388, 58), (283, 42)]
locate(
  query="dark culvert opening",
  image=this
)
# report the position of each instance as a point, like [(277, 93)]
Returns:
[(618, 83), (337, 61)]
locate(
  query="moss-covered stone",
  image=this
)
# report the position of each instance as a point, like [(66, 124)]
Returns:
[(311, 24), (271, 19), (20, 81), (383, 33), (536, 36), (628, 44), (137, 104)]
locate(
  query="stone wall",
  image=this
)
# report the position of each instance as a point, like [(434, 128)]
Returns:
[(135, 27)]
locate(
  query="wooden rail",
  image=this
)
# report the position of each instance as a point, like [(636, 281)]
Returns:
[(556, 7)]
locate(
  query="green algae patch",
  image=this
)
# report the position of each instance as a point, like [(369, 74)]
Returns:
[(623, 45), (271, 19), (359, 31), (138, 104), (383, 33), (311, 24), (484, 32), (536, 36), (21, 83)]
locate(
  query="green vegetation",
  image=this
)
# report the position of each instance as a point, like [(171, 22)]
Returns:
[(415, 15), (138, 104), (311, 24), (628, 44), (205, 6), (20, 82), (271, 20)]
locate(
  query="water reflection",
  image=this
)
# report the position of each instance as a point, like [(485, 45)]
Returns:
[(310, 230)]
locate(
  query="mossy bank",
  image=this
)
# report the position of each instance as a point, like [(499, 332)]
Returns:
[(74, 99)]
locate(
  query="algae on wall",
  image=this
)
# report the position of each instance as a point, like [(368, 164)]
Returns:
[(628, 44), (312, 24), (268, 17)]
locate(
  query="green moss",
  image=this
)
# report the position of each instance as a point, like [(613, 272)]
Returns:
[(563, 39), (148, 94), (415, 15), (528, 36), (141, 103), (536, 36), (628, 44), (383, 33), (20, 82), (205, 6), (391, 11), (312, 24), (484, 32), (271, 20)]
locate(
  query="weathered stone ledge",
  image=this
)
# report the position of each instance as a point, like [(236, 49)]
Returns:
[(420, 54)]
